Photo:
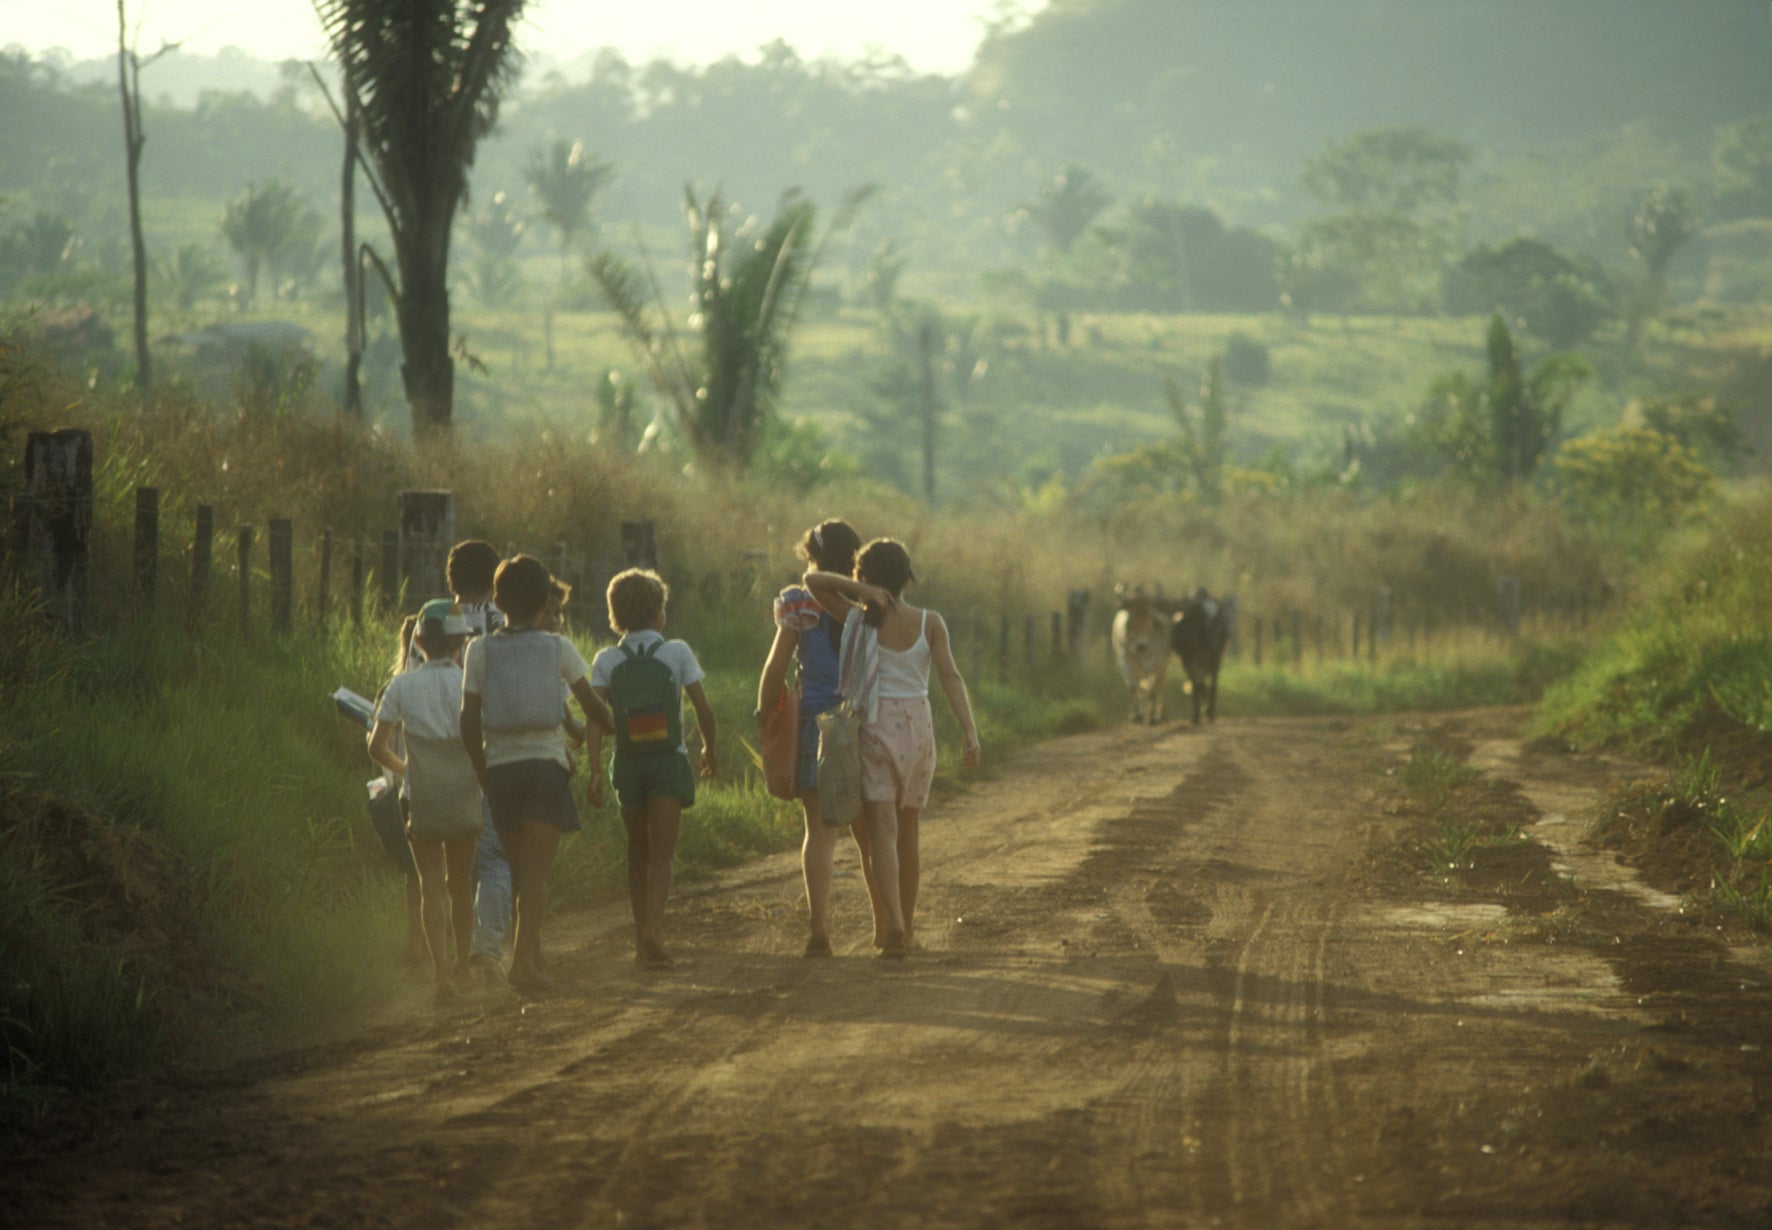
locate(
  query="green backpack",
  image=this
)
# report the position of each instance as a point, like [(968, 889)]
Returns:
[(648, 711)]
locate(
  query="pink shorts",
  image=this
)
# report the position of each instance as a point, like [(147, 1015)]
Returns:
[(898, 753)]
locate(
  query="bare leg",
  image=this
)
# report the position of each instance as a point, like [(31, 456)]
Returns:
[(663, 818), (415, 923), (910, 869), (530, 863), (816, 852), (639, 857), (883, 841), (428, 857), (872, 876), (458, 855)]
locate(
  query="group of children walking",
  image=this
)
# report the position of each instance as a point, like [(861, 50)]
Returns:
[(476, 723)]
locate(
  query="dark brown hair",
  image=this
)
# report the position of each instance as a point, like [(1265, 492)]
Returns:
[(884, 562), (520, 587), (829, 546), (471, 567), (636, 597)]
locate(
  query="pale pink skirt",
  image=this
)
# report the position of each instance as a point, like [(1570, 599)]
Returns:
[(898, 754)]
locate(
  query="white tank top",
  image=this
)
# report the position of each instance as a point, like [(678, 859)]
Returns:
[(904, 673)]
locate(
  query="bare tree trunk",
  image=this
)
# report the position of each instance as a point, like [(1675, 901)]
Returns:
[(129, 84), (927, 408), (427, 370), (353, 270)]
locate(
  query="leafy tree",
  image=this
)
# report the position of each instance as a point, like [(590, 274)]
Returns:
[(1562, 300), (1634, 479), (747, 281), (1179, 257), (190, 275), (1499, 431), (1742, 162), (1204, 445), (1701, 422), (1392, 193), (424, 79), (906, 395), (1664, 220), (1066, 208)]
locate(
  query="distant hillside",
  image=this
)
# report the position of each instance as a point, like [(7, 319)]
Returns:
[(1254, 87)]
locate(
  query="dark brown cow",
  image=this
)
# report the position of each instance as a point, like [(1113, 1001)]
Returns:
[(1197, 634)]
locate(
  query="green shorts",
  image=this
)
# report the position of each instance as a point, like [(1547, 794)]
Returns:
[(639, 778)]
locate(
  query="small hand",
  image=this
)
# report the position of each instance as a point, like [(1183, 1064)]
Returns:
[(594, 789), (710, 763), (970, 752)]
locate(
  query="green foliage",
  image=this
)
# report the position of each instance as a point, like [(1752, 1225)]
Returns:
[(1560, 299), (566, 180), (1636, 482), (1066, 207), (1697, 644), (723, 381), (1499, 432), (271, 229), (1247, 361), (495, 235)]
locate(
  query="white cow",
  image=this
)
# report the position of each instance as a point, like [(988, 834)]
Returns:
[(1141, 650)]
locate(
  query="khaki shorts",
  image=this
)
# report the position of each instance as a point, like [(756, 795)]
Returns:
[(898, 753)]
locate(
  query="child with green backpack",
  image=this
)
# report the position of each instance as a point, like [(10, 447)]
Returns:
[(642, 679)]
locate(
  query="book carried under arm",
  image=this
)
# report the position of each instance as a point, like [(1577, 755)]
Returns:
[(355, 706)]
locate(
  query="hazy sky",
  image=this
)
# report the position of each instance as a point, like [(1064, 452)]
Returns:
[(933, 35)]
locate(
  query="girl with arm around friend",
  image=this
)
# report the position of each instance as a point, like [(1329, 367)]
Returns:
[(898, 731)]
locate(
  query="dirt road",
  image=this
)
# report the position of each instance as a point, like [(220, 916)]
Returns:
[(1168, 978)]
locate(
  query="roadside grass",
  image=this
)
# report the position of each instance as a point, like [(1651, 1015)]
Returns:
[(1467, 670)]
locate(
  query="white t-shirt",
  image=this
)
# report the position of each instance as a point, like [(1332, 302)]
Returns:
[(425, 702), (565, 665), (677, 655)]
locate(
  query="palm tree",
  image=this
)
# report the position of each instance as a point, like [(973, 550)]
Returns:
[(264, 226), (565, 178), (1067, 207), (424, 78), (747, 282)]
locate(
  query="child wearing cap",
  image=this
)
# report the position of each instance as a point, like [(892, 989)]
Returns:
[(424, 705)]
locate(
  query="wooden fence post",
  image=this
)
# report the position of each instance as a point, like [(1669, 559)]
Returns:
[(358, 578), (427, 531), (1256, 659), (1297, 640), (245, 553), (282, 550), (1507, 597), (1058, 639), (202, 557), (1031, 634), (147, 542), (323, 604), (58, 511), (1077, 617), (639, 544), (390, 572)]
